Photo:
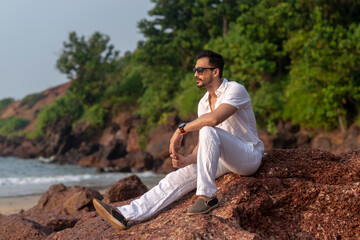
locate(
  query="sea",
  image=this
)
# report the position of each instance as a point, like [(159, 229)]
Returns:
[(20, 177)]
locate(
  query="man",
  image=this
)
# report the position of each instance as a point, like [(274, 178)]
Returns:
[(228, 142)]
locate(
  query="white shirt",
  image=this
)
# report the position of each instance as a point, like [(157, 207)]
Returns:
[(242, 123)]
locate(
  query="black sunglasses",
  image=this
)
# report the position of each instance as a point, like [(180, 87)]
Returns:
[(200, 70)]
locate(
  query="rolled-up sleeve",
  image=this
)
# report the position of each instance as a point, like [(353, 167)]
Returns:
[(236, 96)]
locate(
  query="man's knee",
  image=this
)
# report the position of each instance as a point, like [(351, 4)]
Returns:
[(207, 131)]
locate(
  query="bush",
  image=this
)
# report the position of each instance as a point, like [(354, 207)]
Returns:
[(66, 105), (8, 126), (95, 115), (5, 102)]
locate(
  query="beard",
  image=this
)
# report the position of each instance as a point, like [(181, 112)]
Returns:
[(200, 83)]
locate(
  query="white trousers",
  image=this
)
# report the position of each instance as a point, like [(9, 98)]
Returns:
[(219, 152)]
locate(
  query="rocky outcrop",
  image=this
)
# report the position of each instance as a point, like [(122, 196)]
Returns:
[(89, 161), (139, 161), (18, 147), (60, 139), (336, 142), (116, 148), (124, 189), (291, 136), (61, 207), (296, 194), (16, 227)]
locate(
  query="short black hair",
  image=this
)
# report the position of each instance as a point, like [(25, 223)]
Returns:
[(215, 59)]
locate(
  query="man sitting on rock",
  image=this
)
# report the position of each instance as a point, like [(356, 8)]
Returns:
[(228, 142)]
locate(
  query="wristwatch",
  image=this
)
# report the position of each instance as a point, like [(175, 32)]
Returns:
[(181, 128)]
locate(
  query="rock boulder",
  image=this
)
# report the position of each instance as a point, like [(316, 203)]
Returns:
[(61, 207), (124, 189), (16, 227)]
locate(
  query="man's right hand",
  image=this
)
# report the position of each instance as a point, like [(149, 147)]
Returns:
[(179, 161)]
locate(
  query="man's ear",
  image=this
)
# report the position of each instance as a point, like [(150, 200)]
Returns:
[(216, 72)]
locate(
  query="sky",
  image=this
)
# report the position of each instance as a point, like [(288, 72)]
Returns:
[(32, 35)]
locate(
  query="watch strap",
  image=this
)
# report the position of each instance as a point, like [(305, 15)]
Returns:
[(181, 128)]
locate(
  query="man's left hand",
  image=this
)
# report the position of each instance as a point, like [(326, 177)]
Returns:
[(179, 161)]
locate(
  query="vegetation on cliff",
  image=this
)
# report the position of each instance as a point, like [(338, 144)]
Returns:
[(5, 102), (298, 59), (10, 125)]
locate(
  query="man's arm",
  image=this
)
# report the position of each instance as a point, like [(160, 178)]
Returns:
[(220, 114), (213, 118)]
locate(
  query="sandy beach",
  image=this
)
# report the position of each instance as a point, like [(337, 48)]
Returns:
[(12, 205)]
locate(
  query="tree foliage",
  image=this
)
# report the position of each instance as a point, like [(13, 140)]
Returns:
[(102, 82), (93, 66), (87, 64), (324, 87), (176, 32), (298, 59)]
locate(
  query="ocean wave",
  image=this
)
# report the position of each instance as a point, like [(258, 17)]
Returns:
[(147, 174), (46, 160), (71, 178), (50, 179)]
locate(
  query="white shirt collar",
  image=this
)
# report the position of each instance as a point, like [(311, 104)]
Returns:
[(218, 91)]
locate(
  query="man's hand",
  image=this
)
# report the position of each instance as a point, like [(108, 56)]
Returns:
[(179, 161)]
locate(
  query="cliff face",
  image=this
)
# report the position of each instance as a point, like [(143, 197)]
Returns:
[(296, 194)]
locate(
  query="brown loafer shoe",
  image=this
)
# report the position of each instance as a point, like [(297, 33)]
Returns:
[(202, 206), (110, 214)]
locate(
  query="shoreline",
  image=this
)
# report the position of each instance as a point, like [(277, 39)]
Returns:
[(13, 205)]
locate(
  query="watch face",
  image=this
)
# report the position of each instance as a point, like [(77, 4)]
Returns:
[(181, 127)]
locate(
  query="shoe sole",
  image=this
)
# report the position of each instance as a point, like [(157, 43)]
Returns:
[(107, 216), (204, 212)]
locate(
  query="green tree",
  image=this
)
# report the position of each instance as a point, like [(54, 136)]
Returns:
[(324, 87), (175, 33), (124, 87), (298, 60), (87, 64), (255, 57), (312, 39)]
